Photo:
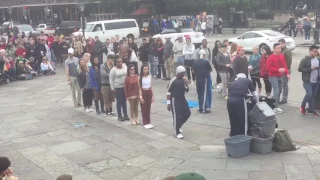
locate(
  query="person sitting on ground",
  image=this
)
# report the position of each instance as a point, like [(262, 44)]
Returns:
[(65, 177), (5, 170), (46, 67)]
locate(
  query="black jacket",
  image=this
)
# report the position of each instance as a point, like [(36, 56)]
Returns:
[(305, 68), (31, 51), (143, 52), (56, 48), (240, 65), (64, 46), (41, 51)]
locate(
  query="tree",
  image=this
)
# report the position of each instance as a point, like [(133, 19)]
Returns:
[(237, 4)]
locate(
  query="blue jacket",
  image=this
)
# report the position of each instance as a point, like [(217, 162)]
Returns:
[(307, 26), (254, 61), (94, 80)]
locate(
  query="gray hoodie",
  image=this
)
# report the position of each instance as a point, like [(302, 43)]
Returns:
[(167, 51), (104, 75)]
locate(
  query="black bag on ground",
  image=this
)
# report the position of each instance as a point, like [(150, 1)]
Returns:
[(269, 101), (258, 132), (282, 141)]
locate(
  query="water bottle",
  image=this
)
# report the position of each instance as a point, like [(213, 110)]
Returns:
[(80, 125)]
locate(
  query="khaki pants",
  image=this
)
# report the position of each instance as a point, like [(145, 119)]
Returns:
[(170, 69), (75, 88), (134, 103)]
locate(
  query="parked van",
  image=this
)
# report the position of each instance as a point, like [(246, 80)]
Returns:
[(110, 28)]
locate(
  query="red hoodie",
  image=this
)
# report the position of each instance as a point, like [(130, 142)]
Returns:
[(21, 52), (274, 63)]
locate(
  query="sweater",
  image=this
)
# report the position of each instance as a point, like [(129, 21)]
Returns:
[(254, 61), (178, 48), (263, 66), (168, 49), (95, 80), (84, 80), (240, 65), (274, 63), (117, 77), (131, 86), (221, 62), (188, 51), (305, 68), (104, 75), (288, 56)]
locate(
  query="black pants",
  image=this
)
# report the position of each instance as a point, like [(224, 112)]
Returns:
[(189, 64), (121, 102), (218, 79), (296, 33), (204, 32), (255, 81), (161, 70), (202, 87), (292, 31), (180, 112), (87, 96), (267, 85), (237, 109)]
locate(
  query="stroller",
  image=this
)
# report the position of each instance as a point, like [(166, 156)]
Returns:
[(24, 70)]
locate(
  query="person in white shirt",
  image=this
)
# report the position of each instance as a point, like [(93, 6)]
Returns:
[(204, 27), (46, 67), (177, 50), (188, 52)]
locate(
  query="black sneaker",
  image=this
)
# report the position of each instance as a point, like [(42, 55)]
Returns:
[(121, 119), (98, 112), (283, 102), (126, 117)]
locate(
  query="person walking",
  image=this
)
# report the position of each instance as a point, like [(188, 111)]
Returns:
[(85, 86), (309, 67), (240, 63), (254, 68), (176, 101), (107, 94), (307, 26), (159, 55), (266, 52), (146, 95), (116, 77), (288, 57), (292, 26), (95, 81), (277, 67), (71, 65), (202, 70), (224, 65), (168, 58), (189, 52), (131, 91)]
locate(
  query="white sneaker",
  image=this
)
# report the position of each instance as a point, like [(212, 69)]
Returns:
[(278, 110), (148, 126), (180, 130), (179, 136), (87, 110), (91, 110)]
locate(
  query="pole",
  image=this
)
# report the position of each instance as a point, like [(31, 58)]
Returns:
[(82, 20), (47, 8), (317, 27)]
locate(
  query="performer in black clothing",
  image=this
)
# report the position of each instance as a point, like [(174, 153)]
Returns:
[(237, 106), (32, 54), (177, 102)]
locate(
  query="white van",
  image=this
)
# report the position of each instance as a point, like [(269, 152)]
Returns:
[(110, 28)]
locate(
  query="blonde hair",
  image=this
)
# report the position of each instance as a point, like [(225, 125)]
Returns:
[(233, 48), (86, 68)]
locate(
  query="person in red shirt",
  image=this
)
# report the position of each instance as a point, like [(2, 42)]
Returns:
[(3, 44), (277, 67), (21, 51)]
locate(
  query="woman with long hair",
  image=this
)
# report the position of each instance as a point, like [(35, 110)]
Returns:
[(133, 45), (266, 52), (95, 82), (146, 95), (233, 51), (159, 54), (131, 90), (117, 76), (215, 52), (84, 43), (46, 67), (85, 86), (86, 57)]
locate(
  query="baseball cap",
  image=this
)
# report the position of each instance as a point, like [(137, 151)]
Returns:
[(70, 51), (190, 176), (188, 37), (180, 69)]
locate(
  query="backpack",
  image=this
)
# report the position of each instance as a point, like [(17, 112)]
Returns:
[(282, 141), (257, 132)]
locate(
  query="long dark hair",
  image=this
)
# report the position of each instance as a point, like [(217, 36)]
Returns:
[(268, 50), (142, 74), (129, 67), (215, 50), (93, 64)]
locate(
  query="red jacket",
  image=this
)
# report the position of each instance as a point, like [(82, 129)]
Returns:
[(3, 46), (50, 41), (21, 52), (274, 63), (263, 66)]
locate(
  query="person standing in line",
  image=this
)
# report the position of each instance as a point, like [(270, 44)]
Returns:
[(309, 67), (288, 57), (98, 47), (307, 26), (176, 101), (71, 65), (159, 55), (143, 51), (95, 81), (107, 94), (254, 68), (266, 52), (224, 65), (117, 76), (189, 52), (84, 83), (277, 66), (146, 95), (168, 58), (202, 70), (177, 50), (153, 61), (240, 63), (131, 91)]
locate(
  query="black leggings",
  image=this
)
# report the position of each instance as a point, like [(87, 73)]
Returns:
[(87, 96), (255, 81), (267, 85)]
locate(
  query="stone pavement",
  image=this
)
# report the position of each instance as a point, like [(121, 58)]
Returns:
[(38, 133)]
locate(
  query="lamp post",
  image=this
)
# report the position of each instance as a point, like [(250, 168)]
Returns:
[(317, 28), (10, 12), (81, 7)]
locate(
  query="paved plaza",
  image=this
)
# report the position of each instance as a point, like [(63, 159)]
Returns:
[(39, 133)]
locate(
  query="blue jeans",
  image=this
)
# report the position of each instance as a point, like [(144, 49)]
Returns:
[(276, 83), (153, 64), (121, 102), (311, 91), (307, 34), (179, 61)]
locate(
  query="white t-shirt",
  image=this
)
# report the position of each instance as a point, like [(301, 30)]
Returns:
[(203, 25)]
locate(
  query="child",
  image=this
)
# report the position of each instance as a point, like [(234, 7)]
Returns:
[(5, 170)]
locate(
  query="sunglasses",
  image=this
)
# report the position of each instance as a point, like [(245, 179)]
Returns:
[(131, 69)]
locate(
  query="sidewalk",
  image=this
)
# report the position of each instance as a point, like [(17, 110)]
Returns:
[(38, 134)]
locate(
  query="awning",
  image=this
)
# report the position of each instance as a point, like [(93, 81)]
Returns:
[(140, 11)]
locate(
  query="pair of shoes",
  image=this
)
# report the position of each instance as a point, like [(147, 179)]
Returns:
[(278, 110), (179, 136), (137, 121), (90, 109), (87, 110), (148, 126), (126, 117), (283, 102)]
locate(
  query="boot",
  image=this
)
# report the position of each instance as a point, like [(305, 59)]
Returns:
[(102, 106), (96, 102)]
